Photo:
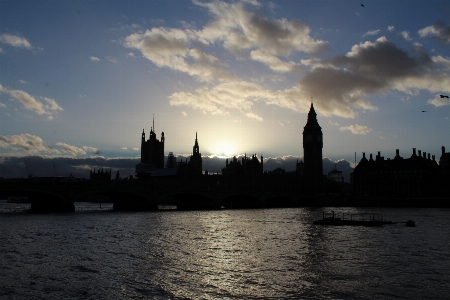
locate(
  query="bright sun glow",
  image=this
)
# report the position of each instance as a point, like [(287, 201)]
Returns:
[(224, 148)]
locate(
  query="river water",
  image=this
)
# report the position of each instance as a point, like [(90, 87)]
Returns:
[(96, 253)]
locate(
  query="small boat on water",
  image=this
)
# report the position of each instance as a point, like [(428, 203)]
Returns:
[(18, 199), (361, 219)]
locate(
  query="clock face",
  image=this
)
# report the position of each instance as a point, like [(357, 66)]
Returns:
[(308, 137)]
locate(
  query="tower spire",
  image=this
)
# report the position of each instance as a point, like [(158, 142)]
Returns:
[(154, 122)]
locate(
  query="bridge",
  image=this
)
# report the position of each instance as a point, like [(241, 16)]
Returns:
[(48, 196)]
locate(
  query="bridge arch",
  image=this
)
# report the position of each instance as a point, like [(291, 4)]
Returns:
[(43, 200), (122, 199), (113, 195)]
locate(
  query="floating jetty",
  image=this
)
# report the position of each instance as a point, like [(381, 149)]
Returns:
[(360, 219)]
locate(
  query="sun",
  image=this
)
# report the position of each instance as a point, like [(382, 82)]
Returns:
[(224, 148)]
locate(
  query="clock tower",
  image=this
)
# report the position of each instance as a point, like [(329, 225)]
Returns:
[(312, 149)]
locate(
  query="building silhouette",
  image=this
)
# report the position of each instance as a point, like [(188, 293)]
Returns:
[(247, 166), (100, 176), (312, 152), (152, 152), (444, 165), (413, 177), (171, 161), (336, 175), (419, 176), (195, 165), (195, 162)]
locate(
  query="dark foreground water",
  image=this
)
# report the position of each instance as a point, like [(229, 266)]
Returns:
[(241, 254)]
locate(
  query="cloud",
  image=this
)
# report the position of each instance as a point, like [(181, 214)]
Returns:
[(92, 150), (184, 113), (32, 144), (333, 123), (441, 61), (341, 85), (239, 31), (218, 99), (136, 149), (3, 105), (26, 142), (23, 81), (72, 150), (15, 41), (44, 166), (112, 59), (30, 103), (440, 31), (356, 129), (405, 35), (170, 48), (93, 58), (233, 95), (124, 148), (254, 116), (372, 32), (438, 101), (274, 63), (51, 104), (372, 68), (14, 167)]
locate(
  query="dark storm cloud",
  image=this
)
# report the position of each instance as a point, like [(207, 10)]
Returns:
[(343, 83), (381, 61), (18, 167), (14, 167)]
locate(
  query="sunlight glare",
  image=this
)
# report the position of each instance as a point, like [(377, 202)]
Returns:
[(224, 148)]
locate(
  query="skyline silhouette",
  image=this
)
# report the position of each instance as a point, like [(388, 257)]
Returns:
[(80, 79)]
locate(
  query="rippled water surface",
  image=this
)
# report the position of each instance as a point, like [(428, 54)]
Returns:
[(278, 253)]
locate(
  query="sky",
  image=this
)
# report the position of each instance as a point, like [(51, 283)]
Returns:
[(82, 79)]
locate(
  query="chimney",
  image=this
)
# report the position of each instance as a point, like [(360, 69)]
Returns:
[(443, 150), (428, 156), (424, 155), (414, 151), (420, 152), (371, 156), (364, 155), (397, 152), (434, 158), (378, 155)]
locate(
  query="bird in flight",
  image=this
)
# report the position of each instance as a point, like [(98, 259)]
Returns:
[(443, 96), (362, 4), (424, 111)]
